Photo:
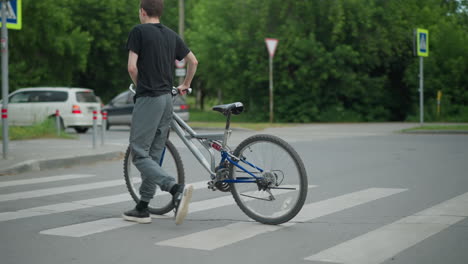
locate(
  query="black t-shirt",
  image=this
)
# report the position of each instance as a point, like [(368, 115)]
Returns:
[(157, 47)]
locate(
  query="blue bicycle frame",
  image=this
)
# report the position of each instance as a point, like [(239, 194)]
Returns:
[(187, 134)]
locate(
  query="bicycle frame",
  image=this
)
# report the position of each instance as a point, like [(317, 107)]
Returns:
[(187, 134), (210, 142)]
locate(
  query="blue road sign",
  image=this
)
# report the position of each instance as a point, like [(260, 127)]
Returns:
[(422, 42), (14, 15)]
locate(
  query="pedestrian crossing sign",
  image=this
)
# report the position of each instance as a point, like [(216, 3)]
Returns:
[(14, 16), (422, 38)]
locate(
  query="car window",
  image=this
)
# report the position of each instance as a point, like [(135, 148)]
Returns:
[(21, 97), (121, 100), (86, 97), (53, 96), (47, 96), (130, 98), (39, 97)]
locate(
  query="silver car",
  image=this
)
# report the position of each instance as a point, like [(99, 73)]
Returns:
[(120, 108)]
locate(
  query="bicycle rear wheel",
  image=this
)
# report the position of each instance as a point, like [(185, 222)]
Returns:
[(282, 194), (172, 164)]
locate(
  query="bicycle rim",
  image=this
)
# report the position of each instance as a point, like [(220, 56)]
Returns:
[(283, 167), (172, 164)]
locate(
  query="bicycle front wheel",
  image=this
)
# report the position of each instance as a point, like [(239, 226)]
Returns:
[(282, 190), (172, 164)]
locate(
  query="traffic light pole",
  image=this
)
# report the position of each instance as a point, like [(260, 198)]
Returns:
[(4, 43)]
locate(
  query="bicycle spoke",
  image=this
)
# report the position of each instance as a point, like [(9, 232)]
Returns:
[(279, 192)]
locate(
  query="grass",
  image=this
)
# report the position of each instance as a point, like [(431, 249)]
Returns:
[(211, 119), (439, 127), (252, 126), (45, 129)]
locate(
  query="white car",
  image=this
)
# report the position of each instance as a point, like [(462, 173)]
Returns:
[(28, 106)]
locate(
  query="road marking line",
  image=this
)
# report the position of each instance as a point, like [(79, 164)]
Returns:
[(219, 237), (45, 179), (229, 200), (88, 228), (85, 229), (383, 243), (59, 190), (64, 207), (75, 205), (65, 189)]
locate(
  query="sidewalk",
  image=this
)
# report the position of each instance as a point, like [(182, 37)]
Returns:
[(44, 154)]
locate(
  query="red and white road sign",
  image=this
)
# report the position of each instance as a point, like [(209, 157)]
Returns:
[(180, 64), (271, 44)]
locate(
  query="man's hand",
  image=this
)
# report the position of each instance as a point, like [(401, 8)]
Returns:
[(182, 89), (192, 64)]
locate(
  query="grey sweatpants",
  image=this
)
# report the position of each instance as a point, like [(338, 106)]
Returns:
[(151, 119)]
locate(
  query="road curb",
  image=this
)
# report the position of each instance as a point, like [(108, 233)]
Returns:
[(47, 164), (438, 132)]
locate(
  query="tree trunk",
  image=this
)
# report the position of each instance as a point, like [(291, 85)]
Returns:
[(220, 96), (198, 99)]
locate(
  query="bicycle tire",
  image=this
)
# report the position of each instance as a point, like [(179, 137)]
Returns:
[(287, 203), (161, 203)]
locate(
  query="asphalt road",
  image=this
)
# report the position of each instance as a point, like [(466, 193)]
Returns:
[(380, 197)]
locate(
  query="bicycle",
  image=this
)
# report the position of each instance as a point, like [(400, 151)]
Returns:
[(270, 187)]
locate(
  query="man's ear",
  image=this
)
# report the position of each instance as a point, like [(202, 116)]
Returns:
[(143, 12)]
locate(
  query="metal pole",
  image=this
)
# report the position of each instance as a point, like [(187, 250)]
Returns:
[(57, 121), (4, 42), (181, 26), (421, 91), (271, 90), (94, 128), (103, 126), (181, 18)]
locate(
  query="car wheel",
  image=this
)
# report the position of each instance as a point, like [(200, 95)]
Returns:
[(81, 130)]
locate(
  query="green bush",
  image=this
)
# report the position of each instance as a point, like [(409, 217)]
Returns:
[(45, 129)]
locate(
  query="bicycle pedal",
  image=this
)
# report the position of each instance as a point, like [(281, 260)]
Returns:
[(211, 186)]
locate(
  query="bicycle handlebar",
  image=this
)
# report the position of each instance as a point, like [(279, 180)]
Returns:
[(174, 90)]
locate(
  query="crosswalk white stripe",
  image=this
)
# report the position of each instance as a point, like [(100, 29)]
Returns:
[(45, 179), (219, 237), (88, 228), (65, 189), (228, 200), (75, 205), (60, 190), (333, 205), (381, 244), (64, 207)]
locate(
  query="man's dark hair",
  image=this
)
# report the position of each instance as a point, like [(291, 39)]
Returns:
[(154, 8)]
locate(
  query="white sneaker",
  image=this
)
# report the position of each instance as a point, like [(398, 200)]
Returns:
[(181, 201)]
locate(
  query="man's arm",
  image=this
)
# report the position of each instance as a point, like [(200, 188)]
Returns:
[(132, 66), (191, 69)]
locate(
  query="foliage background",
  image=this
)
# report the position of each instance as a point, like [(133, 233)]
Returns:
[(337, 60)]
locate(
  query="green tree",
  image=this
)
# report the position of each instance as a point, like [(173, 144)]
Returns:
[(337, 60), (50, 49)]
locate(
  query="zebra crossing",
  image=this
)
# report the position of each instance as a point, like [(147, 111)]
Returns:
[(375, 246)]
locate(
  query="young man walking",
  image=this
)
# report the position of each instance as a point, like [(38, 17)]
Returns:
[(153, 49)]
